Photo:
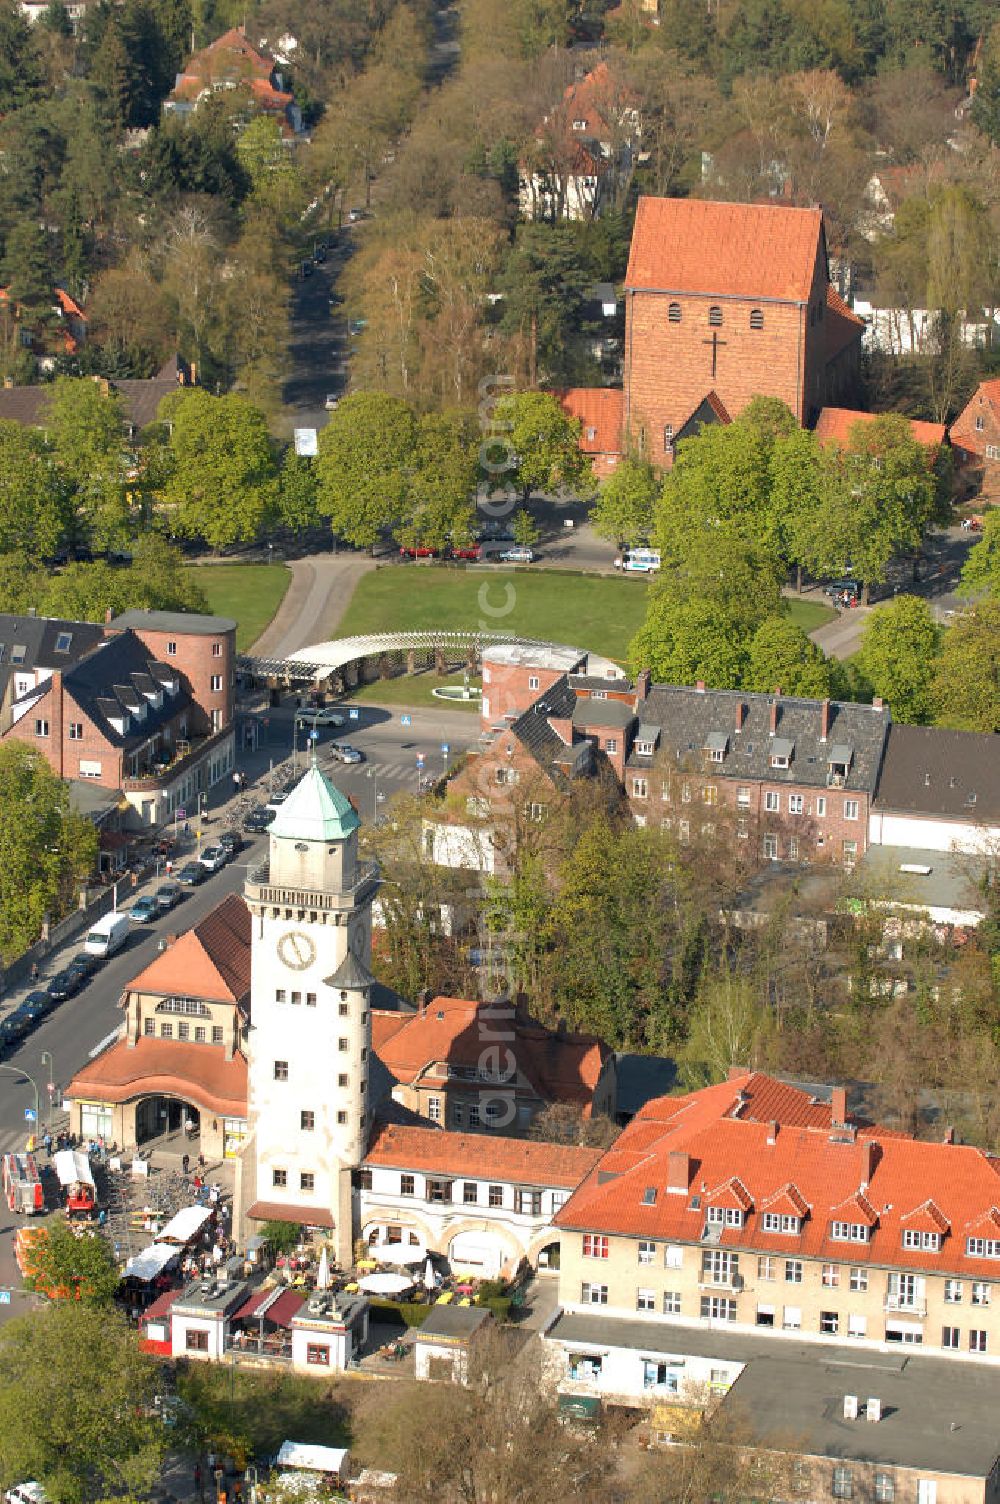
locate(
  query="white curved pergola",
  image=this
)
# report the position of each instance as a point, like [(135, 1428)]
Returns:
[(330, 657)]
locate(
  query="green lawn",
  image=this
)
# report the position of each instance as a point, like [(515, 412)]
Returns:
[(809, 614), (587, 611), (415, 691), (250, 593)]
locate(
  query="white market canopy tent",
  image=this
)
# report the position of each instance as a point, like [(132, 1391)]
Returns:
[(385, 1284), (151, 1261), (187, 1224), (73, 1167), (316, 1459)]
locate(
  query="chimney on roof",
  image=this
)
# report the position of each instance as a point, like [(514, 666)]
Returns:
[(824, 720), (642, 683), (741, 711), (869, 1158), (700, 686), (423, 1000), (774, 715), (678, 1172), (772, 1131), (949, 1135), (838, 1107)]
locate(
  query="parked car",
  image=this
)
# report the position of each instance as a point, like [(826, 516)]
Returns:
[(167, 896), (38, 1003), (517, 556), (467, 551), (258, 818), (63, 985), (319, 255), (144, 910), (354, 216), (231, 841), (191, 874), (331, 401), (213, 858), (344, 752), (13, 1028), (420, 551), (972, 524), (357, 326), (84, 964), (323, 716)]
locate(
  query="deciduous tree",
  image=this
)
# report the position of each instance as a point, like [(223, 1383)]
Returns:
[(33, 500), (83, 423), (222, 482), (967, 680), (780, 654), (623, 511), (544, 442), (44, 852), (898, 657), (365, 456)]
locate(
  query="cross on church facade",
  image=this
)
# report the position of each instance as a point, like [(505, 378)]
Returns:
[(715, 342)]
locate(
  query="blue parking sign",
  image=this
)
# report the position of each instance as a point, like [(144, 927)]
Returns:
[(354, 713), (445, 749), (4, 1297), (406, 720), (29, 1114)]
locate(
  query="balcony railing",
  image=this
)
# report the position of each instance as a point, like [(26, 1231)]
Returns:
[(901, 1305), (709, 1281), (259, 889), (155, 775)]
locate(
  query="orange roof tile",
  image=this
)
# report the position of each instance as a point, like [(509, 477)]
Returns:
[(560, 1067), (964, 431), (384, 1025), (869, 1175), (843, 326), (600, 410), (740, 250), (481, 1156), (197, 1073), (926, 1218), (210, 961), (834, 424)]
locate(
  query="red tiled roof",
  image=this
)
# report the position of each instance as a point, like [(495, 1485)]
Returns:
[(561, 1067), (964, 430), (210, 961), (740, 250), (842, 327), (834, 424), (481, 1156), (196, 1073), (161, 1306), (384, 1025), (864, 1174), (280, 1312), (600, 410), (926, 1218)]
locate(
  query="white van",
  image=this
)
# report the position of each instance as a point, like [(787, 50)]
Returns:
[(639, 561), (26, 1493), (107, 935)]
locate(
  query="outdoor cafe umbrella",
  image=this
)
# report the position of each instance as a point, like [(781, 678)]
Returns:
[(323, 1272), (399, 1253), (429, 1281), (385, 1283)]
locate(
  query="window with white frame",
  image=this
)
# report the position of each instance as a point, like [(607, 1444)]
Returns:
[(593, 1295), (717, 1308), (772, 801), (929, 1241), (983, 1248), (977, 1341), (533, 681), (926, 1491), (742, 798), (766, 1267), (829, 1323), (857, 1326), (640, 788), (778, 1222), (673, 1256), (821, 806), (611, 744), (859, 1280), (852, 809), (980, 1293), (793, 1271), (724, 1216), (842, 1485), (951, 1337), (216, 682), (830, 1276), (792, 1319), (434, 1109), (796, 804), (849, 1232), (647, 1252), (671, 1302), (595, 1246), (645, 1300), (953, 1292), (769, 848)]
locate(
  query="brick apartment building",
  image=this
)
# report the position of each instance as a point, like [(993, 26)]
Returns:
[(730, 301), (143, 705), (975, 433)]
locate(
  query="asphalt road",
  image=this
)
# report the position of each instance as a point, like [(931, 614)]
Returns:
[(319, 340)]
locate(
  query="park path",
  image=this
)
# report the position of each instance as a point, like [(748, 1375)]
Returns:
[(317, 597)]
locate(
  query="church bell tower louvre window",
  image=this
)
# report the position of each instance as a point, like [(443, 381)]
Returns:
[(756, 318), (715, 317), (674, 313)]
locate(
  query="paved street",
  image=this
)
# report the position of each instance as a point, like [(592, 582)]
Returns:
[(319, 339)]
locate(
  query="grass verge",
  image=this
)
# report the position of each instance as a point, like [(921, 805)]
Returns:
[(809, 614), (596, 612), (249, 593), (415, 691)]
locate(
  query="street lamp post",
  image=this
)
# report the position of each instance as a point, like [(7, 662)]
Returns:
[(200, 812), (372, 773), (15, 1070), (51, 1085)]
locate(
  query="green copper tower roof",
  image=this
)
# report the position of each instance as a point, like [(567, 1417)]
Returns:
[(315, 811)]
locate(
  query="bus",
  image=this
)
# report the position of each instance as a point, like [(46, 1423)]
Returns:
[(639, 561)]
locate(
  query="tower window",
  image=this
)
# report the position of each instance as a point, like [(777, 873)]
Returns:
[(307, 1181), (341, 1118), (668, 438), (715, 317), (756, 318), (279, 1178), (343, 1010), (342, 1080), (343, 1044), (310, 999), (307, 1121), (281, 1070), (674, 313)]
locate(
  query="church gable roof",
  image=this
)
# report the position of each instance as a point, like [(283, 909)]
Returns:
[(731, 250)]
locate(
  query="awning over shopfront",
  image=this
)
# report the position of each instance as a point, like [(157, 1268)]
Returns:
[(271, 1304), (278, 1211)]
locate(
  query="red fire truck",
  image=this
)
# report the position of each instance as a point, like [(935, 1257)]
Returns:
[(22, 1186)]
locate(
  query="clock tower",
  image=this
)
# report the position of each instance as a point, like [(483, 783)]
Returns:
[(309, 1044)]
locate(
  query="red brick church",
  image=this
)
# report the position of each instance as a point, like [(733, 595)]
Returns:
[(725, 302)]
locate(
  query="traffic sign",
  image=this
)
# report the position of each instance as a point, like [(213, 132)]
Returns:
[(406, 720), (354, 713), (445, 749), (314, 735), (420, 759), (29, 1114), (4, 1297), (51, 1086)]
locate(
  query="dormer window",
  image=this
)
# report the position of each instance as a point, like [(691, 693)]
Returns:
[(778, 1222), (579, 125), (849, 1232), (929, 1242), (716, 746), (724, 1216), (63, 641), (18, 653), (983, 1248), (644, 749), (839, 764)]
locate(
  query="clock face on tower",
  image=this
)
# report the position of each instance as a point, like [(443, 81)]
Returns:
[(296, 950)]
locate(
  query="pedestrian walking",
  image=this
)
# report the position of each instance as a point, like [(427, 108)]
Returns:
[(34, 971), (197, 1477), (47, 1141), (189, 1127), (185, 1163)]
